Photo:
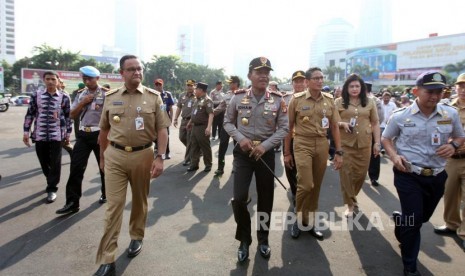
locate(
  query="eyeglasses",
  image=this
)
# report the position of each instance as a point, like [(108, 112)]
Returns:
[(133, 70), (318, 78), (158, 84)]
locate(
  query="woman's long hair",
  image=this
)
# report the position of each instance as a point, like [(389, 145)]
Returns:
[(345, 91)]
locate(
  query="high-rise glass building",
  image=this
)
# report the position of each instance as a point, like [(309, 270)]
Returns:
[(7, 31), (191, 44), (375, 26)]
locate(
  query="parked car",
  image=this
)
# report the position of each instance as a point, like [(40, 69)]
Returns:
[(20, 100)]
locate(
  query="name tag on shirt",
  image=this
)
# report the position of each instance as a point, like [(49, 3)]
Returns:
[(305, 107), (118, 103), (445, 122), (189, 104), (409, 124)]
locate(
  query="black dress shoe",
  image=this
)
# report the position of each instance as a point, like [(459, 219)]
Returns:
[(106, 270), (443, 230), (219, 172), (265, 250), (68, 208), (186, 163), (207, 169), (135, 247), (295, 231), (317, 234), (410, 273), (191, 169), (102, 199), (374, 182), (243, 252)]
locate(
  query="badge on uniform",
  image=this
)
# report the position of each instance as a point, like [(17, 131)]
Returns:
[(139, 120), (92, 106), (195, 111), (435, 139), (305, 108), (189, 104), (305, 119), (352, 122), (245, 100), (325, 122), (245, 121), (118, 103), (163, 107), (116, 119)]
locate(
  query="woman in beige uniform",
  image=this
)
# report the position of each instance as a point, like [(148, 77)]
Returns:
[(359, 122)]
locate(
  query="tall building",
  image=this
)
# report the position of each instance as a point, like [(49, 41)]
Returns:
[(192, 45), (127, 29), (375, 26), (334, 35), (7, 31)]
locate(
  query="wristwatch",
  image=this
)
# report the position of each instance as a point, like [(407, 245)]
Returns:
[(162, 156), (454, 144), (339, 152)]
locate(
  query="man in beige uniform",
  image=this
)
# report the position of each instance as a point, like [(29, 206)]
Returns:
[(311, 113), (131, 119), (455, 183), (184, 108)]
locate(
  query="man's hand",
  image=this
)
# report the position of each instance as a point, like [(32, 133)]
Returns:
[(175, 122), (289, 161), (445, 151), (257, 152), (208, 132), (398, 162), (246, 145), (26, 140), (157, 168), (337, 163)]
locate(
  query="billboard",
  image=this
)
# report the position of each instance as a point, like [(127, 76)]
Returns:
[(31, 80), (381, 59)]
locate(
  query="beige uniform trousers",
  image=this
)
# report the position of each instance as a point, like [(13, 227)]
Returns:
[(353, 172), (453, 194), (311, 156), (122, 167)]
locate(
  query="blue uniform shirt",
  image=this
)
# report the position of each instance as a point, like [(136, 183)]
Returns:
[(167, 98), (415, 133)]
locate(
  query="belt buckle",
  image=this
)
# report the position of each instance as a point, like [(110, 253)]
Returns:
[(87, 129), (256, 143), (128, 148), (427, 172)]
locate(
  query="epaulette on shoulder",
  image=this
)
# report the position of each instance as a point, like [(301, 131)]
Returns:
[(80, 90), (299, 94), (399, 109), (327, 95), (152, 91), (276, 93), (449, 105), (111, 92), (240, 91), (105, 89)]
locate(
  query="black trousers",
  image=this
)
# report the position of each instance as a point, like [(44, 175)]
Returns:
[(245, 168), (291, 174), (375, 164), (167, 143), (224, 143), (49, 154), (419, 196), (217, 124), (86, 143)]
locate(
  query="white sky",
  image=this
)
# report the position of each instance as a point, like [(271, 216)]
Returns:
[(278, 29)]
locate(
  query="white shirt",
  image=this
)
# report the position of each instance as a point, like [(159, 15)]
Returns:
[(388, 109)]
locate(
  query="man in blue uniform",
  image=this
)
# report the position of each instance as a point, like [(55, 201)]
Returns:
[(427, 133), (167, 106)]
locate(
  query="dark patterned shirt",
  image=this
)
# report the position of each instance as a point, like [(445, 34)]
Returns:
[(50, 115)]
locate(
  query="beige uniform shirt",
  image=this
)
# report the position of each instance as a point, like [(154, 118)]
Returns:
[(362, 131), (308, 114), (121, 110), (461, 111), (264, 120), (185, 103)]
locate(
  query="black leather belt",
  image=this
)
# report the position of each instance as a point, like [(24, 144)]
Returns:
[(187, 118), (130, 149), (458, 156)]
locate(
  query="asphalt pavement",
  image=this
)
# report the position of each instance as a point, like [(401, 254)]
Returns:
[(190, 227)]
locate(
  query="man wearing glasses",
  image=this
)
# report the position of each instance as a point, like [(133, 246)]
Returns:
[(132, 117), (168, 104)]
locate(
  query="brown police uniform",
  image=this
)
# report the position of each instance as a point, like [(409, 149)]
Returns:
[(185, 103), (199, 142), (129, 157), (356, 147), (454, 191), (310, 148)]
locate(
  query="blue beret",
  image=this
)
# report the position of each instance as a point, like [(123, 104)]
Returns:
[(89, 71)]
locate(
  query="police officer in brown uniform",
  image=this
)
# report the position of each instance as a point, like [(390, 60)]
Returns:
[(234, 84), (256, 118), (359, 125), (132, 118), (311, 113), (298, 85), (454, 191), (200, 125), (184, 108)]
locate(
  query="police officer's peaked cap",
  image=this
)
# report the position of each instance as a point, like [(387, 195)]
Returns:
[(202, 86), (273, 83), (460, 79), (431, 80), (260, 62), (90, 71), (298, 74), (190, 82), (369, 86), (233, 79)]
